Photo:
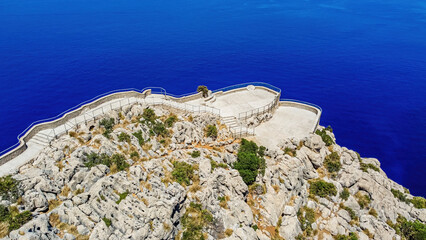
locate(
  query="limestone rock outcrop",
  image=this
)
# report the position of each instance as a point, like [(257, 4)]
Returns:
[(148, 195)]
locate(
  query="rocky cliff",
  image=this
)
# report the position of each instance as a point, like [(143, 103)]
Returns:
[(142, 174)]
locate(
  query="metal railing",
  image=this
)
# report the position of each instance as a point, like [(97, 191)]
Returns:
[(243, 85), (101, 111), (302, 102), (229, 88), (261, 110), (242, 131)]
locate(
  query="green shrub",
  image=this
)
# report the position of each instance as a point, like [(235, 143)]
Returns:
[(221, 199), (195, 154), (345, 194), (401, 196), (325, 137), (170, 121), (159, 129), (149, 115), (18, 220), (94, 159), (255, 227), (351, 236), (332, 162), (215, 165), (322, 188), (249, 161), (134, 154), (13, 217), (9, 188), (290, 152), (406, 190), (261, 151), (138, 135), (122, 196), (203, 89), (364, 166), (4, 213), (107, 221), (351, 212), (211, 131), (409, 230), (306, 217), (194, 221), (108, 124), (120, 161), (124, 137), (183, 172), (418, 202), (328, 128)]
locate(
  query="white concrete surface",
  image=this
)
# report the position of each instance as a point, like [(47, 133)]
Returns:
[(287, 122), (233, 103), (32, 151)]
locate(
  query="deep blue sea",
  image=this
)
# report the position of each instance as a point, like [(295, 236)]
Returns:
[(363, 61)]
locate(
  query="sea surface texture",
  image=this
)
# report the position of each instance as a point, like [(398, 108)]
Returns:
[(363, 62)]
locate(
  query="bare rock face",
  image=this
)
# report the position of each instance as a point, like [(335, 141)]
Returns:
[(162, 183)]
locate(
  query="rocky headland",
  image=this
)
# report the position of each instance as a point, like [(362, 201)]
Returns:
[(155, 173)]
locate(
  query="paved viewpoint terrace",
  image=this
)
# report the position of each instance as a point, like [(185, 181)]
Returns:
[(233, 103), (289, 118)]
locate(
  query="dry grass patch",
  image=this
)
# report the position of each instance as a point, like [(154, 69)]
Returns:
[(64, 227), (322, 172), (145, 184), (292, 200), (368, 233), (167, 179), (223, 202), (113, 169), (4, 229), (65, 191), (166, 227), (146, 147), (54, 203), (228, 232), (276, 188), (78, 191), (60, 165), (194, 187)]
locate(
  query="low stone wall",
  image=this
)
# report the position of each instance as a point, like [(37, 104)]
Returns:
[(245, 89), (186, 98)]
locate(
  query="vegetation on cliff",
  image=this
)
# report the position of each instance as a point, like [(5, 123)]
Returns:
[(250, 161)]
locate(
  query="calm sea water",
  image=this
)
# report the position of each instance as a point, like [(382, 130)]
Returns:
[(363, 61)]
